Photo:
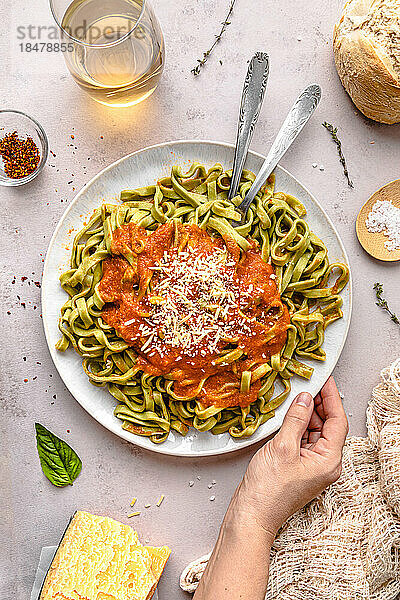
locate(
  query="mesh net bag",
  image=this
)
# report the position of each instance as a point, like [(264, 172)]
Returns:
[(345, 544)]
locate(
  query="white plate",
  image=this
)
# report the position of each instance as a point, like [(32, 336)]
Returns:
[(139, 169)]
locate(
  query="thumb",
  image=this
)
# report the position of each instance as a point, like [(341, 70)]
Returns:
[(297, 418)]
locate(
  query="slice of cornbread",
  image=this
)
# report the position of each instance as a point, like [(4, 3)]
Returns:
[(102, 559)]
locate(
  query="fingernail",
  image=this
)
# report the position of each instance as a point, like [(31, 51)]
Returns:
[(304, 399)]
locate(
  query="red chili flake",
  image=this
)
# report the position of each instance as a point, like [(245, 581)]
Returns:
[(37, 283), (68, 431), (8, 312), (101, 137), (72, 137), (21, 156), (24, 278), (23, 304), (25, 380)]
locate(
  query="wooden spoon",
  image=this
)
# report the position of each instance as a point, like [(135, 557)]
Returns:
[(374, 243)]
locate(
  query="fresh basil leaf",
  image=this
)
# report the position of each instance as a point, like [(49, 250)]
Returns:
[(59, 462)]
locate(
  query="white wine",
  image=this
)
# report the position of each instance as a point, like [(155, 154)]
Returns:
[(118, 49)]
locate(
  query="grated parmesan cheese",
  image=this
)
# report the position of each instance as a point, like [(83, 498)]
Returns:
[(385, 218), (192, 301)]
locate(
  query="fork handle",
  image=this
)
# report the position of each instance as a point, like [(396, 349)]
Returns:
[(298, 116), (252, 99)]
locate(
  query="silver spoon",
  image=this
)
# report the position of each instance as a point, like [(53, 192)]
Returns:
[(298, 116), (250, 106)]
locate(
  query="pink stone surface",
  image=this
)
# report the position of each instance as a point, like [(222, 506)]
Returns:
[(297, 36)]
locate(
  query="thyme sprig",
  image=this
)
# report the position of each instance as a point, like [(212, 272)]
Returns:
[(382, 303), (202, 61), (333, 131)]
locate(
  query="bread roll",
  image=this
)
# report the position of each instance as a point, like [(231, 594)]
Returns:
[(367, 54)]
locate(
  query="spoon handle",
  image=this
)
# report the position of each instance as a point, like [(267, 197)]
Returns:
[(298, 116), (252, 99)]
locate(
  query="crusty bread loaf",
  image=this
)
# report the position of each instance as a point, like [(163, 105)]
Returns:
[(367, 54)]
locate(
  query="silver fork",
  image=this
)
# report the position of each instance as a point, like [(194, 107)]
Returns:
[(296, 119), (250, 106)]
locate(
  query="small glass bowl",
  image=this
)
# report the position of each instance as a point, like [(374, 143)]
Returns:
[(25, 126)]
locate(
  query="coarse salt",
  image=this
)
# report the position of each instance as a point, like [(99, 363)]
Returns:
[(385, 218)]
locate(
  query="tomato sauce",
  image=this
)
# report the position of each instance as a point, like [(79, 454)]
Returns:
[(136, 294)]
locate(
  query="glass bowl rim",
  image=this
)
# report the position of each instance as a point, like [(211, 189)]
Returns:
[(10, 182)]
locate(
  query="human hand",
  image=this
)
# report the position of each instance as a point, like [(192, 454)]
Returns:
[(298, 463)]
